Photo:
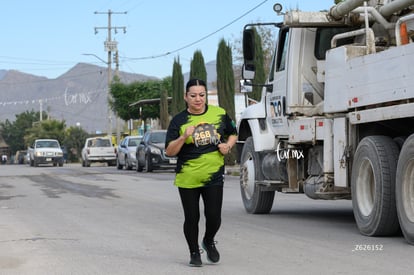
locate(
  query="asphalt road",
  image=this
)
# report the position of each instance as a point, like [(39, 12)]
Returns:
[(100, 220)]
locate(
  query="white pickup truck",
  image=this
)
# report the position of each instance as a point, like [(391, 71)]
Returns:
[(98, 149), (45, 151)]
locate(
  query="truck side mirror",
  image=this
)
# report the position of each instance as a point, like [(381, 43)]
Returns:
[(248, 53), (247, 74), (246, 86)]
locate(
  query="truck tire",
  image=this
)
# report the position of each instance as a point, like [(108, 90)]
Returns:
[(373, 186), (400, 141), (255, 200), (405, 189)]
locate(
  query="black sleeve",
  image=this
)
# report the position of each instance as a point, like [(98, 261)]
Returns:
[(230, 126), (173, 132)]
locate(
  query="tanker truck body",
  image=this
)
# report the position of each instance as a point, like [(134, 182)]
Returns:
[(336, 115)]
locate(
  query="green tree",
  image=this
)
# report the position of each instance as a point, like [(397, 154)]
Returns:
[(225, 78), (124, 95), (164, 109), (121, 96), (198, 68), (14, 132), (74, 140), (147, 94), (225, 87), (46, 129), (177, 103)]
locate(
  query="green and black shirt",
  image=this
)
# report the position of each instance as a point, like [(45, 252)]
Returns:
[(200, 163)]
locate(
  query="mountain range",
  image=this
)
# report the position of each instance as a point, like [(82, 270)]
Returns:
[(79, 96)]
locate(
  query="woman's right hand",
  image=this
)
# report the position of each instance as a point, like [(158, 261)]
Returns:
[(189, 131)]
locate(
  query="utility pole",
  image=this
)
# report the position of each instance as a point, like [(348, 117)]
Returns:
[(110, 46), (118, 119), (41, 110)]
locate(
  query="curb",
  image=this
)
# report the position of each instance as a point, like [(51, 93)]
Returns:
[(232, 170)]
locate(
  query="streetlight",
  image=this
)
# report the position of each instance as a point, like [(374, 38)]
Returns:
[(91, 54), (108, 92)]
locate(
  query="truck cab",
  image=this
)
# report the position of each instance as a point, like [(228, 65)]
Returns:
[(295, 85)]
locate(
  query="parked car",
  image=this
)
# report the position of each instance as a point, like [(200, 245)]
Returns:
[(98, 149), (20, 157), (126, 152), (151, 152)]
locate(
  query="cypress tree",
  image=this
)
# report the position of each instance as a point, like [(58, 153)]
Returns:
[(164, 108), (225, 78), (177, 102), (198, 68), (225, 87)]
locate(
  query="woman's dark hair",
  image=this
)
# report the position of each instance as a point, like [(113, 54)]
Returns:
[(195, 82)]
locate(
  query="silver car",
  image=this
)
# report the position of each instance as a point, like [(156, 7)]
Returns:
[(126, 152)]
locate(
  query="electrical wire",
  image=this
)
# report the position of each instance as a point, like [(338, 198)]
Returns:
[(199, 40)]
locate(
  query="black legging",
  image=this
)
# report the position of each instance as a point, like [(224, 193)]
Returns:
[(213, 200)]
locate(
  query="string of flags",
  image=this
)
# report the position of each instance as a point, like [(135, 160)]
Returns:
[(80, 98), (32, 101)]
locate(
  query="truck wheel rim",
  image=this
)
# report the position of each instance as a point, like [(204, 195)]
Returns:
[(248, 172), (365, 185), (408, 190)]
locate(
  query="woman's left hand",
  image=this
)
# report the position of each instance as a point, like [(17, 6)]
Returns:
[(224, 148)]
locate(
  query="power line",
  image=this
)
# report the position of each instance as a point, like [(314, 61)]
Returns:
[(199, 40)]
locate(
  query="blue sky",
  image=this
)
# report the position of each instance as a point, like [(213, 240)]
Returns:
[(47, 38)]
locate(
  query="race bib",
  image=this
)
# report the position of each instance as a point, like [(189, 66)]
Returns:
[(205, 134)]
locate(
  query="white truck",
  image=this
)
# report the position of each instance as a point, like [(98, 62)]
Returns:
[(98, 149), (45, 151), (336, 115)]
